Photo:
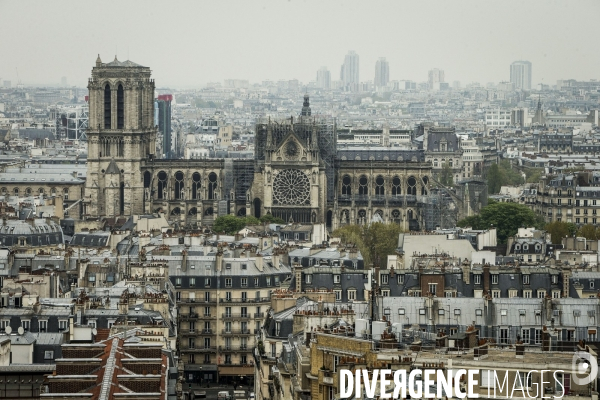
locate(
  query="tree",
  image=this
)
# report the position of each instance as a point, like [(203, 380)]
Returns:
[(375, 241), (502, 174), (494, 179), (446, 175), (507, 218), (533, 174), (559, 230), (590, 232), (269, 219), (230, 224)]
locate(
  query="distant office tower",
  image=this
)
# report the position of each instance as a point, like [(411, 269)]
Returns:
[(162, 119), (520, 74), (382, 72), (456, 85), (323, 78), (349, 73), (436, 76), (63, 81)]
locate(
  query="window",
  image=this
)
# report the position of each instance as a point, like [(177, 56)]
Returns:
[(538, 336), (227, 312), (206, 281), (513, 293), (494, 279), (384, 279), (400, 279), (441, 311), (527, 294), (525, 335), (227, 282), (541, 293), (244, 296), (591, 284), (25, 324), (244, 282), (385, 293), (401, 311), (255, 282), (554, 279), (43, 326), (496, 294), (338, 295), (457, 311), (308, 279), (227, 296), (191, 343), (268, 281), (228, 327), (421, 311), (525, 279), (478, 312), (49, 355), (177, 281), (207, 311), (433, 288), (192, 282), (477, 279), (336, 279), (351, 294), (244, 266), (207, 296)]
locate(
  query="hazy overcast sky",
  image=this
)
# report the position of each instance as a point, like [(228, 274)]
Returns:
[(189, 43)]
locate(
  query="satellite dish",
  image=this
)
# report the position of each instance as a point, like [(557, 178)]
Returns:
[(31, 302), (21, 330), (8, 330), (94, 332)]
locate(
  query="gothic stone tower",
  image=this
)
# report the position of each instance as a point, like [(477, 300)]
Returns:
[(121, 135)]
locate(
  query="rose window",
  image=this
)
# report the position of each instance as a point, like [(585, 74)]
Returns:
[(291, 187)]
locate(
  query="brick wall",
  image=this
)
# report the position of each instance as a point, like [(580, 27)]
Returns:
[(82, 352), (70, 386), (143, 352), (76, 369), (144, 368), (142, 386)]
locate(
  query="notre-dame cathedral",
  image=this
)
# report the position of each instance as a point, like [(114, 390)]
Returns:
[(297, 174)]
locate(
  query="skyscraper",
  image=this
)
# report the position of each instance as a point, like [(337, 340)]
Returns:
[(382, 72), (349, 73), (520, 75), (436, 76), (323, 78), (162, 119)]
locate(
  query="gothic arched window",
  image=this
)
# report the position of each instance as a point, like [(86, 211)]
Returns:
[(179, 187), (107, 107), (396, 186), (412, 185), (379, 188), (363, 187), (346, 185), (196, 185), (212, 185), (162, 185), (120, 107)]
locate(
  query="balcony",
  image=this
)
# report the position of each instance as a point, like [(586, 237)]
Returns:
[(200, 300), (244, 300), (188, 331), (236, 332), (188, 316), (236, 316), (259, 315), (226, 349), (206, 349)]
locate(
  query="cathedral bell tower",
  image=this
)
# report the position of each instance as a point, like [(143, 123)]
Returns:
[(121, 135)]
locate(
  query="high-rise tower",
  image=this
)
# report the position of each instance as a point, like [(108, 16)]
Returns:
[(520, 74), (121, 136), (382, 72)]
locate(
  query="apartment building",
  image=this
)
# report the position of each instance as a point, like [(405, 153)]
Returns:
[(573, 198), (222, 298)]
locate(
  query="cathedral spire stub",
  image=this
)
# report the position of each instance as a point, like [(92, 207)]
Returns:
[(306, 106), (98, 61)]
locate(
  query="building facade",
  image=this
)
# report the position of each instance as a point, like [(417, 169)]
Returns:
[(297, 173)]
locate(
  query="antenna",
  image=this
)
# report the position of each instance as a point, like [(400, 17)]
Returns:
[(21, 330), (8, 330)]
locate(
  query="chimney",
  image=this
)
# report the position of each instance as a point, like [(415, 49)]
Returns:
[(219, 260), (353, 253), (275, 258), (486, 278), (259, 262)]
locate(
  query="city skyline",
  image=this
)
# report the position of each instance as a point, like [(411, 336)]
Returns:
[(185, 55)]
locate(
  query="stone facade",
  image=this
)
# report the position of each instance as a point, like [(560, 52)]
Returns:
[(298, 173)]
